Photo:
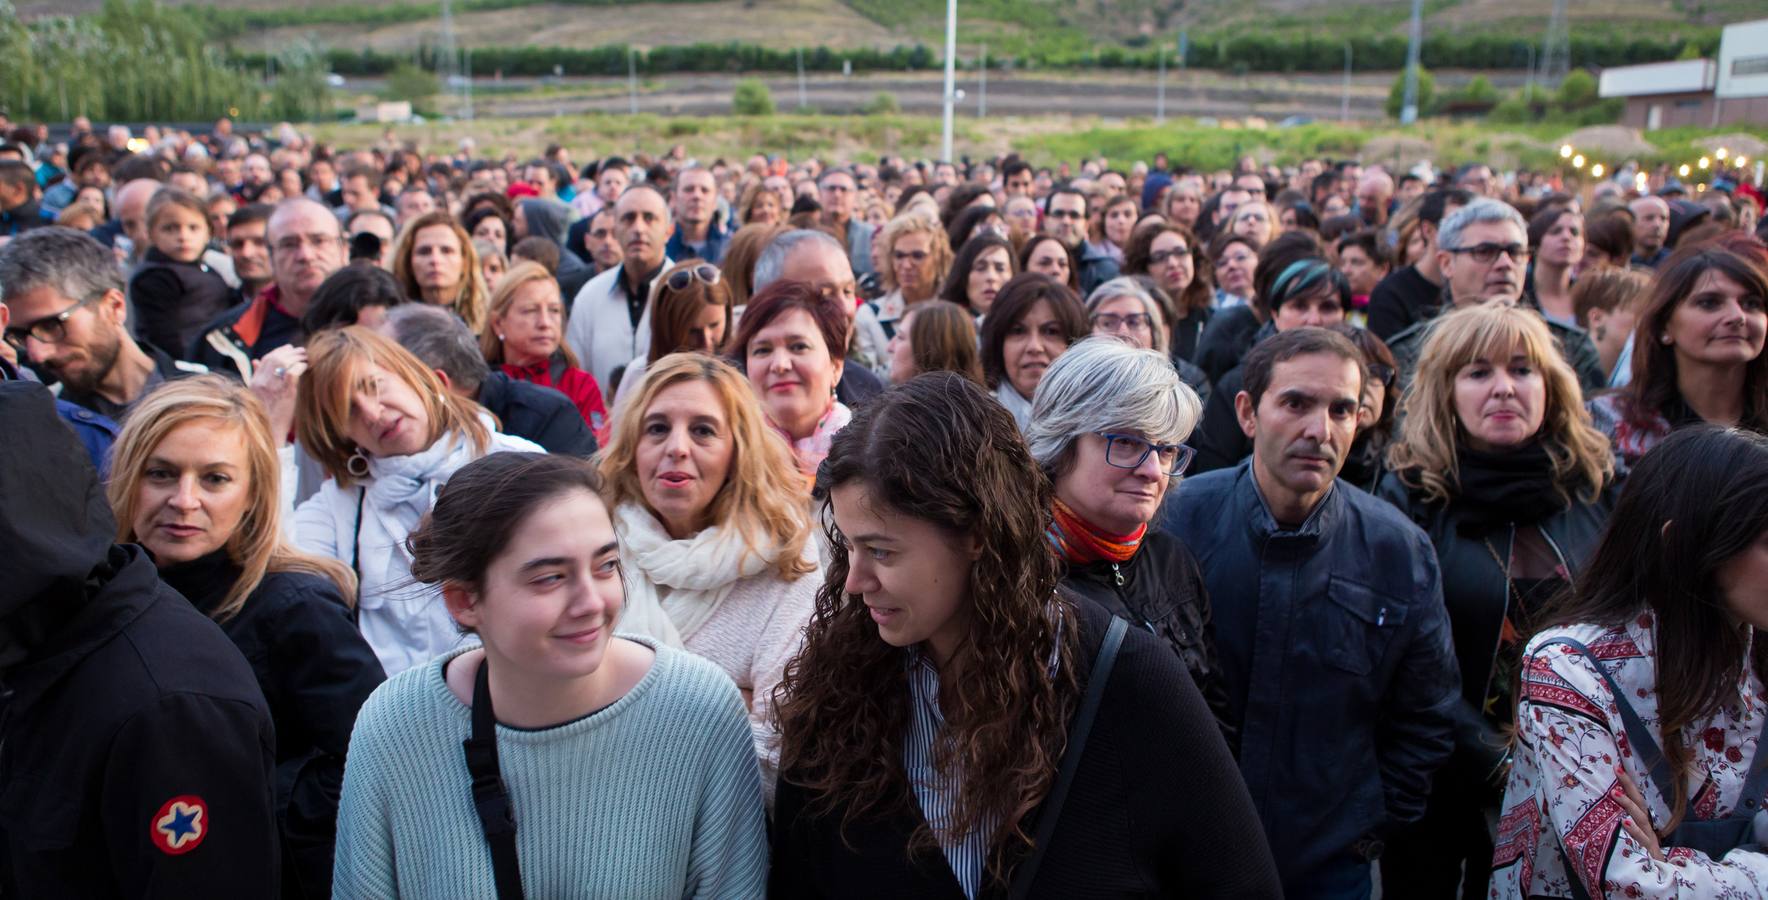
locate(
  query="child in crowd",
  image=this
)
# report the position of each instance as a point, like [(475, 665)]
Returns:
[(174, 292)]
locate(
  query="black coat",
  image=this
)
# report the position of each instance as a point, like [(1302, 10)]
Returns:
[(1230, 333), (540, 414), (1156, 808), (316, 671), (1219, 440), (1400, 300), (137, 756), (1161, 591), (176, 302)]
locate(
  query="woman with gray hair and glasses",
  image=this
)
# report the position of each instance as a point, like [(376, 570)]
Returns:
[(1107, 427)]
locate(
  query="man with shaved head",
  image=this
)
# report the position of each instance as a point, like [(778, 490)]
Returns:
[(306, 246), (1374, 191), (1651, 227)]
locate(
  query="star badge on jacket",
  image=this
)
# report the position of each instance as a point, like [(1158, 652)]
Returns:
[(180, 825)]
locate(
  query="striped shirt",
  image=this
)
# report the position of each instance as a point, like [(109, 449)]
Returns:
[(937, 792)]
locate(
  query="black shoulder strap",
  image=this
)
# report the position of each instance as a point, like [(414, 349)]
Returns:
[(489, 796), (1077, 742)]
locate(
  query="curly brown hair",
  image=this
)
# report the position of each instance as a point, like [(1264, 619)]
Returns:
[(939, 449)]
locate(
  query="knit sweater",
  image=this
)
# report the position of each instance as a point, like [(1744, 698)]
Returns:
[(656, 795)]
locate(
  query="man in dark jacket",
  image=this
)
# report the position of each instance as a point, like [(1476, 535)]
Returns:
[(1407, 294), (18, 199), (1329, 622), (136, 751), (1484, 257)]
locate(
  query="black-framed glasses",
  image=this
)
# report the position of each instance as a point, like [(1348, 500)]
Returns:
[(1126, 451), (1065, 214), (1113, 321), (1382, 373), (680, 278), (1158, 257), (1487, 253), (49, 329)]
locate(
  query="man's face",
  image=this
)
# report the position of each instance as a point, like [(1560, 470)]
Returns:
[(191, 183), (602, 241), (1253, 185), (323, 175), (1361, 271), (946, 174), (1478, 180), (641, 222), (305, 248), (1303, 427), (1113, 183), (1231, 200), (92, 336), (816, 263), (132, 211), (542, 179), (1372, 201), (1018, 184), (358, 194), (413, 204), (250, 251), (610, 184), (93, 174), (257, 170), (1651, 223), (228, 170), (837, 192), (696, 196), (1066, 219), (1499, 277)]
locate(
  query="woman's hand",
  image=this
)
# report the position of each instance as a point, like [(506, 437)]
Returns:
[(274, 380), (1637, 822)]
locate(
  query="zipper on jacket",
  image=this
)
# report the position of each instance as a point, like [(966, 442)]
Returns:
[(1117, 574)]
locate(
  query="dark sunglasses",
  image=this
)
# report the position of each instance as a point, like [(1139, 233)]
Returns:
[(681, 278)]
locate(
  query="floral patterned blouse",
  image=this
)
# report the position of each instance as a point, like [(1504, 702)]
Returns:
[(1570, 735)]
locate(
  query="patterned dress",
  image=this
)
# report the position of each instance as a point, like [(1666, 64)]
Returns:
[(1560, 817)]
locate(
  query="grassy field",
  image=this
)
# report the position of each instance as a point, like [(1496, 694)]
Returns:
[(1043, 140)]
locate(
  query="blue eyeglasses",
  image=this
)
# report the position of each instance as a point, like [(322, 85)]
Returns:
[(1126, 451)]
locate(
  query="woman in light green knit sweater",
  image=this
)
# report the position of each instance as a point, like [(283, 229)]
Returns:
[(629, 767)]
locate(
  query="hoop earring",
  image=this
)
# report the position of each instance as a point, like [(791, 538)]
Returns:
[(357, 464)]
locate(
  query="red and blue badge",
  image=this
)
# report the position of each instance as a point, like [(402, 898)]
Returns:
[(180, 825)]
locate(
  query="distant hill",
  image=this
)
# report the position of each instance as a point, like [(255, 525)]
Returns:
[(1008, 26)]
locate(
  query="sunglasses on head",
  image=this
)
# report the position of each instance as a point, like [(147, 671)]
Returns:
[(680, 278)]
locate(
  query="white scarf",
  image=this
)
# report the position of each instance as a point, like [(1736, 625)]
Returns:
[(399, 490), (697, 572), (1015, 404)]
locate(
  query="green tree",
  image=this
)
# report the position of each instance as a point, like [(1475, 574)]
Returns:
[(408, 82), (882, 103), (1577, 91), (752, 98), (1690, 50), (1396, 96)]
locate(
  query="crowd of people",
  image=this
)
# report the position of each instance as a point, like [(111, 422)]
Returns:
[(388, 522)]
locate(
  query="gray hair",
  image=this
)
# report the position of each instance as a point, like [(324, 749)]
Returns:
[(1482, 210), (68, 261), (1128, 286), (1104, 384), (442, 341), (771, 265)]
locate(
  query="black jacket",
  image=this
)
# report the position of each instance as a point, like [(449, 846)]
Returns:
[(176, 302), (1477, 595), (316, 671), (1156, 808), (857, 385), (540, 414), (136, 751), (1336, 656), (1400, 300), (1230, 333), (1160, 590), (1220, 442)]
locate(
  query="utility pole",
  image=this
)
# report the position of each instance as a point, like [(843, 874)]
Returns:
[(1160, 90), (1344, 103), (1409, 109), (802, 101), (951, 91), (469, 85), (982, 101), (1556, 52), (631, 81), (1528, 86)]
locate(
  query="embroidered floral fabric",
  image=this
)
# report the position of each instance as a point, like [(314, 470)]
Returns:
[(1570, 735)]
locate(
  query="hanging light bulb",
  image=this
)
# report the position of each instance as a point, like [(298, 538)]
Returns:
[(1705, 162), (1596, 170), (1743, 161), (1565, 151), (1683, 171), (1722, 153)]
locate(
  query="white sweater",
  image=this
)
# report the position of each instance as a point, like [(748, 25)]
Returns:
[(601, 332)]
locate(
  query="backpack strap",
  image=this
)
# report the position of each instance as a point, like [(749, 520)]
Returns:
[(490, 798)]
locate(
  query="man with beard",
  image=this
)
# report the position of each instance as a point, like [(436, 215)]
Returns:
[(1340, 675), (68, 318)]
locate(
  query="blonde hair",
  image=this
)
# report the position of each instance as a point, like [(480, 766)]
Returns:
[(469, 296), (1273, 227), (256, 545), (763, 492), (1424, 457), (504, 297), (939, 248), (335, 358)]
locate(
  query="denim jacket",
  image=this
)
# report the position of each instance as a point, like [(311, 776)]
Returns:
[(1334, 646)]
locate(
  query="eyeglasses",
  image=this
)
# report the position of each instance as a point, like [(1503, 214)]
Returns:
[(1126, 451), (1155, 259), (293, 243), (919, 256), (1065, 214), (1113, 321), (1381, 373), (680, 278), (1487, 253), (49, 329)]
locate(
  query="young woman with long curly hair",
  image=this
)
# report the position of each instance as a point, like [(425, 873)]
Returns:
[(944, 709)]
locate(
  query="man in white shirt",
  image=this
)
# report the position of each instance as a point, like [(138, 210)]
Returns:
[(610, 317)]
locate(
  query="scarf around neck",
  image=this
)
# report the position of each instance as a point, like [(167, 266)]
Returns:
[(1079, 542), (396, 494), (1501, 489), (677, 585), (812, 450)]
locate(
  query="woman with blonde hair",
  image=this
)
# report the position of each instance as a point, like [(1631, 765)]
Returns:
[(1255, 219), (714, 531), (435, 263), (1498, 462), (388, 434), (760, 206), (195, 481), (524, 339), (915, 256)]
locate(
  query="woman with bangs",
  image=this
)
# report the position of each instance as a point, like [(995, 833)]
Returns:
[(194, 481), (714, 531), (692, 310), (388, 434), (525, 340), (950, 703), (435, 263), (1498, 462)]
